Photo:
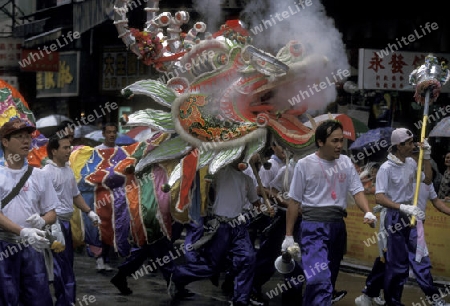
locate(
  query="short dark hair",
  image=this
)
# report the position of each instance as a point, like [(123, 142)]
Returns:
[(9, 138), (53, 144), (109, 124), (325, 128)]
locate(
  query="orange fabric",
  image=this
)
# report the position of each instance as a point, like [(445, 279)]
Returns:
[(132, 188), (137, 226), (15, 93), (37, 155), (188, 170)]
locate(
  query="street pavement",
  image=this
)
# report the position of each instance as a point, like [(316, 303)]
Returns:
[(94, 288)]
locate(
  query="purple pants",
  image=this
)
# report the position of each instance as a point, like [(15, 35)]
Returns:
[(64, 277), (234, 241), (401, 250), (23, 276), (323, 245)]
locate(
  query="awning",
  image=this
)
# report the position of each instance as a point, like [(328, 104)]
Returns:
[(90, 13), (43, 38)]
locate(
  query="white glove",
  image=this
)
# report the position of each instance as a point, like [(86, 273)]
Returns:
[(288, 241), (36, 221), (369, 215), (412, 210), (426, 149), (94, 217), (59, 237), (36, 238)]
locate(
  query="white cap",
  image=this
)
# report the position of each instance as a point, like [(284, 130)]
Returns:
[(400, 135)]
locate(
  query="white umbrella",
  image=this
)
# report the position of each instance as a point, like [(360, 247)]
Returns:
[(51, 120), (81, 131)]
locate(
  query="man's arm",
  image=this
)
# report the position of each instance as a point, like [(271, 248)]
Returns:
[(363, 204), (8, 225), (49, 217), (440, 206), (382, 199), (81, 203), (291, 216), (428, 171)]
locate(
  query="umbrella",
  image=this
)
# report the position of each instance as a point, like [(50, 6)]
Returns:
[(372, 137), (121, 140), (82, 130), (442, 128), (140, 133), (51, 120), (351, 126)]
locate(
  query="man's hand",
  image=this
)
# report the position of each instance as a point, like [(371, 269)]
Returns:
[(369, 218), (426, 149), (412, 211), (35, 237), (59, 244), (36, 221), (288, 241), (94, 218)]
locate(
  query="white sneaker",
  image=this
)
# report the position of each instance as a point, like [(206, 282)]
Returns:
[(363, 300), (440, 302), (379, 301), (100, 264), (108, 267)]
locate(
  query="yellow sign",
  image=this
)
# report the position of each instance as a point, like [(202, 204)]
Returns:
[(361, 238)]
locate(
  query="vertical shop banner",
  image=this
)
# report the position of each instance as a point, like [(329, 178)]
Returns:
[(65, 82), (384, 70), (121, 68), (10, 50)]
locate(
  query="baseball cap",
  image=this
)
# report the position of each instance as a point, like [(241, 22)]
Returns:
[(14, 125), (400, 135)]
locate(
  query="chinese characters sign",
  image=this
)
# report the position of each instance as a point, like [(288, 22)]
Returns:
[(379, 69), (65, 82), (120, 69), (10, 50)]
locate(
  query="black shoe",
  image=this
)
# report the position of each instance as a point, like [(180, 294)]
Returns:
[(228, 286), (177, 293), (215, 279), (338, 295), (258, 300), (120, 282)]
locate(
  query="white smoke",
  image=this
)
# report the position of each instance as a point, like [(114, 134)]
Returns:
[(273, 23), (210, 13)]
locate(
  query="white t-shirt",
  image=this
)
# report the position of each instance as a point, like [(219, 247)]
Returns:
[(36, 196), (66, 187), (396, 180), (426, 192), (315, 179), (268, 175), (233, 190), (278, 181)]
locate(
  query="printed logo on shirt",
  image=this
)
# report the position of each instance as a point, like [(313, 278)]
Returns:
[(342, 177), (25, 187)]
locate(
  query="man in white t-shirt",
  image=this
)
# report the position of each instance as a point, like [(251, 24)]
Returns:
[(320, 185), (233, 189), (395, 191), (23, 274), (65, 184)]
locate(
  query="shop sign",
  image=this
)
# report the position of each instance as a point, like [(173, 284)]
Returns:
[(121, 68), (383, 70), (10, 49), (65, 82)]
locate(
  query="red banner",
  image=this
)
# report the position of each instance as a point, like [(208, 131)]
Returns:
[(39, 60)]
